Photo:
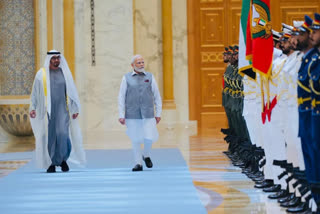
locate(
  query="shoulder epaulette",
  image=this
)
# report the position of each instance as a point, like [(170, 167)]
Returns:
[(315, 57)]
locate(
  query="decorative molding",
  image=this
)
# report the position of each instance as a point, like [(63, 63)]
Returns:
[(208, 57), (168, 104)]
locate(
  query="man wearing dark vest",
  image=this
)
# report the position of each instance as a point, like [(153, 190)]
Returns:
[(138, 97)]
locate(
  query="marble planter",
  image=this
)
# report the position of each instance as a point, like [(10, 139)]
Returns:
[(14, 117)]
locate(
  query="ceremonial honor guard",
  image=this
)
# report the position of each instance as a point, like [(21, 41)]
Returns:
[(313, 151)]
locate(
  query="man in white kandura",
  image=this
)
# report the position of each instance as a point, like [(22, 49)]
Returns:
[(54, 110), (138, 96)]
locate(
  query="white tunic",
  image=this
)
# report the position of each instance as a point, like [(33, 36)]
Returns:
[(140, 129)]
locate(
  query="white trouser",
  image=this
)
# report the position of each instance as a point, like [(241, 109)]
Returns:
[(291, 127), (137, 153), (290, 184), (249, 114), (142, 131), (274, 147), (259, 125)]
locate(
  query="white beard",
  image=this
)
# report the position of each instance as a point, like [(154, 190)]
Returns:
[(138, 69)]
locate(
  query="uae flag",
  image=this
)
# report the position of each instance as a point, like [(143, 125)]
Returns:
[(259, 42), (245, 66)]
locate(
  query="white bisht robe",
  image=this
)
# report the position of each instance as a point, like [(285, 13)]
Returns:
[(42, 105)]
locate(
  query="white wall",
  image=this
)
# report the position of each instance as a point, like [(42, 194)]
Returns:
[(99, 85), (148, 31)]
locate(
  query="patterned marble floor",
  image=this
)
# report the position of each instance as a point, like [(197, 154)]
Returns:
[(222, 187)]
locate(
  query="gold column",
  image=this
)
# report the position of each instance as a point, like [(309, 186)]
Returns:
[(68, 33), (49, 25), (167, 61)]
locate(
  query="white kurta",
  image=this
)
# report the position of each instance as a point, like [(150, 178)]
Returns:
[(40, 123), (140, 129)]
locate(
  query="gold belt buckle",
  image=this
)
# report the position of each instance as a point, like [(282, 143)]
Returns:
[(313, 103)]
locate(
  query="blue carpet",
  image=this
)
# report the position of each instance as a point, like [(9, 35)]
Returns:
[(106, 185)]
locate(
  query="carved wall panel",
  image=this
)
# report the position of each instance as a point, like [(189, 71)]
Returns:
[(215, 24), (233, 27), (208, 57), (211, 88), (211, 24), (289, 14)]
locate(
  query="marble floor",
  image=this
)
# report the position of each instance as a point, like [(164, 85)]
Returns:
[(222, 187)]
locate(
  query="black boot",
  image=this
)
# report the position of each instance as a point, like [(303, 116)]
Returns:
[(274, 188), (280, 194), (266, 183), (286, 199), (298, 209), (293, 203)]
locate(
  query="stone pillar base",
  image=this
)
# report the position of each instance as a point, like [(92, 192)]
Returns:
[(3, 136), (169, 118), (168, 104), (170, 121)]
